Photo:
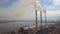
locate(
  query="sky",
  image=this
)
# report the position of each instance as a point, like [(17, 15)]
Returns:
[(24, 10)]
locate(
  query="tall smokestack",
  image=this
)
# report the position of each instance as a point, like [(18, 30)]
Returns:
[(36, 17)]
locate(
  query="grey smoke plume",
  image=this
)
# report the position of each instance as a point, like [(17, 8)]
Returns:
[(18, 10)]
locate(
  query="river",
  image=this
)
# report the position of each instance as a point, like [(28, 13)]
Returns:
[(4, 27)]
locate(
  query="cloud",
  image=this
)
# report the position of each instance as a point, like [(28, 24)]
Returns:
[(53, 12), (50, 7), (54, 6), (56, 2)]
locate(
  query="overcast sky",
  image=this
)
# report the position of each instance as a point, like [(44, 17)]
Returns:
[(23, 10)]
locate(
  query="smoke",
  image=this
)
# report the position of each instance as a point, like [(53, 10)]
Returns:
[(18, 10), (37, 4)]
